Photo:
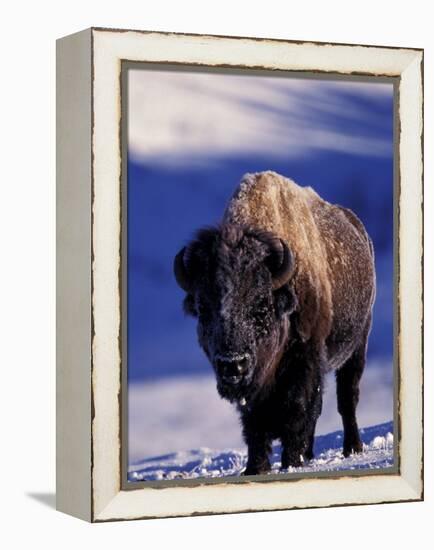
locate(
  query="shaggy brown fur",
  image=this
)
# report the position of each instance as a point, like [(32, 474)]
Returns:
[(283, 291), (334, 277)]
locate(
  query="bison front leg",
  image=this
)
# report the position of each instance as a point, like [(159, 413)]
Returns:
[(295, 438), (303, 407), (258, 445), (258, 461)]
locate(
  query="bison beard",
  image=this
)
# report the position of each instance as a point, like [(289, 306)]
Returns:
[(283, 292)]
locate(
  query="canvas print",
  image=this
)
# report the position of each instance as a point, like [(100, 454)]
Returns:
[(258, 273)]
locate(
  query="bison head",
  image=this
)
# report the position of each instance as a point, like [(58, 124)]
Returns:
[(236, 280)]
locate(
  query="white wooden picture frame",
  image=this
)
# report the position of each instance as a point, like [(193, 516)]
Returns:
[(90, 482)]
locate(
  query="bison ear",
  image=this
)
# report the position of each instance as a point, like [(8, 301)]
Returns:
[(285, 301)]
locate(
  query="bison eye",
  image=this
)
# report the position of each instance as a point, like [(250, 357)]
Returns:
[(284, 301)]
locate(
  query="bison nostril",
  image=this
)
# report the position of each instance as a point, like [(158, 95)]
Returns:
[(231, 368), (242, 365)]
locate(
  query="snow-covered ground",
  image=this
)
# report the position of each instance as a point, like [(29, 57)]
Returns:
[(205, 463), (175, 414)]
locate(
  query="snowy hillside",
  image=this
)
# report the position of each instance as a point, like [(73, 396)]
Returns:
[(186, 412), (204, 462)]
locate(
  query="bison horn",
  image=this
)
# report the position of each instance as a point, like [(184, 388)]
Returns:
[(180, 270), (283, 268)]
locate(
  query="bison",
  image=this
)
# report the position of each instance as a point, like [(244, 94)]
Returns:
[(283, 291)]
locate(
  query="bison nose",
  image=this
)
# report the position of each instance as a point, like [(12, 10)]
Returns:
[(232, 368)]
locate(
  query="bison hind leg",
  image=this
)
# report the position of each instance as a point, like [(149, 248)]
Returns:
[(347, 388)]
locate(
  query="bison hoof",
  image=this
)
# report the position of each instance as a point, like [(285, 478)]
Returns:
[(257, 470), (352, 448), (308, 455), (293, 461)]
